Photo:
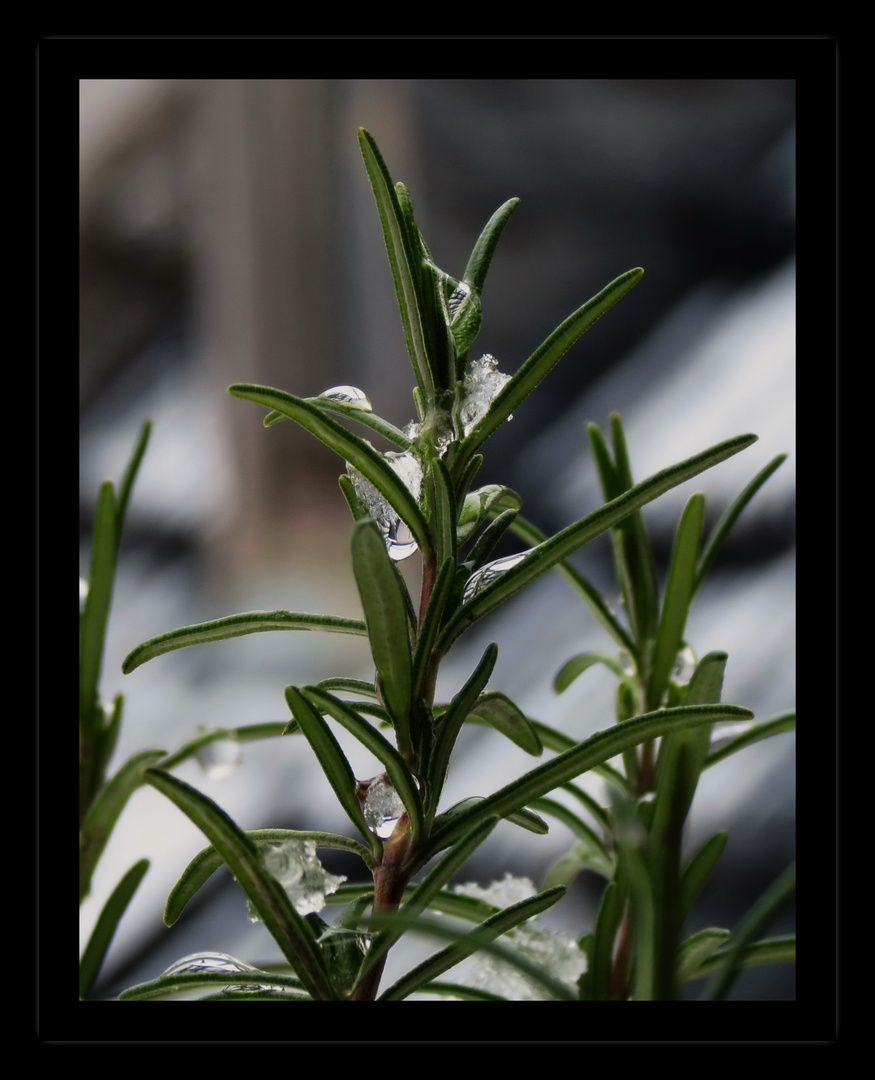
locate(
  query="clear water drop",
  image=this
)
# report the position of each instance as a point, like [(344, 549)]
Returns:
[(684, 666), (219, 758), (349, 395), (295, 865), (83, 593), (482, 383), (488, 573), (381, 806)]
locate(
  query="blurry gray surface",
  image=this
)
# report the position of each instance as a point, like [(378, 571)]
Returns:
[(716, 359)]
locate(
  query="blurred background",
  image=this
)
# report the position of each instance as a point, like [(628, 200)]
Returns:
[(228, 233)]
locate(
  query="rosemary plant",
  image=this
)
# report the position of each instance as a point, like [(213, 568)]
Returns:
[(421, 500)]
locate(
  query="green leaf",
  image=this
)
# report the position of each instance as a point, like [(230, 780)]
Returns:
[(481, 256), (682, 755), (541, 362), (676, 600), (607, 924), (207, 862), (129, 476), (381, 592), (721, 529), (779, 950), (443, 512), (698, 871), (381, 748), (764, 912), (527, 531), (481, 939), (359, 453), (104, 812), (288, 929), (548, 554), (403, 259), (693, 952), (248, 622), (334, 764), (498, 711), (569, 671), (105, 927), (631, 543), (92, 623), (584, 756), (786, 722), (450, 724)]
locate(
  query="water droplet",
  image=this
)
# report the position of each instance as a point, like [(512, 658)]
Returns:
[(483, 381), (349, 395), (83, 593), (207, 961), (219, 758), (297, 868), (398, 538), (381, 805), (488, 573), (684, 666)]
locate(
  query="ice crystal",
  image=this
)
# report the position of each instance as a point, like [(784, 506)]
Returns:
[(296, 867), (482, 382)]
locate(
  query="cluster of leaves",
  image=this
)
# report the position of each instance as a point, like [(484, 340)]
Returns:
[(454, 527)]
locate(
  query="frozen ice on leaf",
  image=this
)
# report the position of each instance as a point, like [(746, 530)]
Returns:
[(297, 868), (396, 535), (349, 395), (550, 950), (482, 383)]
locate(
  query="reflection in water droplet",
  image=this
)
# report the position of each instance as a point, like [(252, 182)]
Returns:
[(83, 592), (219, 758), (483, 381), (398, 538), (684, 666), (349, 395), (382, 807), (297, 868), (488, 573), (460, 294)]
